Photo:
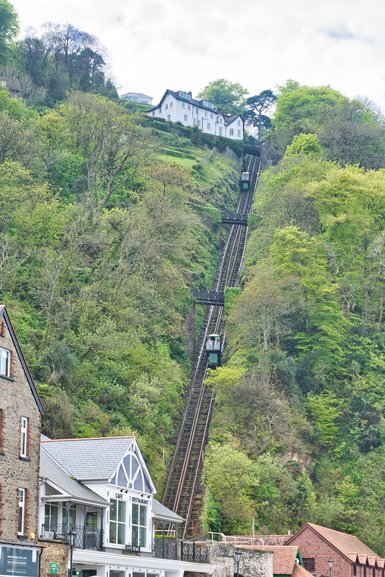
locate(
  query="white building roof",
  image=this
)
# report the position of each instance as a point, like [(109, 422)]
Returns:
[(89, 459), (50, 471)]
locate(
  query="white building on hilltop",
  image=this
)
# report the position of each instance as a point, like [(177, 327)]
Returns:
[(98, 494), (182, 107), (137, 97)]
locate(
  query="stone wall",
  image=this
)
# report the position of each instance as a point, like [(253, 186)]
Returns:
[(16, 400), (53, 552), (252, 563)]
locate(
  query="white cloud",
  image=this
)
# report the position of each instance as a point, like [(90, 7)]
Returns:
[(179, 44)]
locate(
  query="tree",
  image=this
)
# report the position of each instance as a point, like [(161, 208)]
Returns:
[(227, 96), (8, 29), (303, 109), (355, 134), (256, 108), (112, 143)]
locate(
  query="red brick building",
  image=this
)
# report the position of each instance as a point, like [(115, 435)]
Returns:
[(350, 557)]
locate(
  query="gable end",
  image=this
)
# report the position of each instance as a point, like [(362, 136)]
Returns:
[(4, 315)]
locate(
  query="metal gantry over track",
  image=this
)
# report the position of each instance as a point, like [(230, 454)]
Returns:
[(183, 491)]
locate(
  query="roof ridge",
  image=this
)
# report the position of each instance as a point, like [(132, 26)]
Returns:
[(87, 439)]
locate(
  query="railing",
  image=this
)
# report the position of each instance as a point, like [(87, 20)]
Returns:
[(84, 537), (181, 550)]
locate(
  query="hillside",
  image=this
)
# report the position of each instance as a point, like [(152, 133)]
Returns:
[(298, 427), (107, 223)]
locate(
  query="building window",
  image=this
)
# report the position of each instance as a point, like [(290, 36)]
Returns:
[(166, 106), (208, 126), (117, 522), (139, 525), (309, 564), (185, 118), (21, 514), (5, 362), (211, 115), (189, 106), (69, 516), (50, 516), (153, 112), (24, 437), (183, 105), (171, 104), (239, 133), (231, 131), (168, 117)]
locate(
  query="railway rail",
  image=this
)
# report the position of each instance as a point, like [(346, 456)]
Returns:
[(183, 491)]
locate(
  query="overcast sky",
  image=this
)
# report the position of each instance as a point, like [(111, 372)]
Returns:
[(184, 44)]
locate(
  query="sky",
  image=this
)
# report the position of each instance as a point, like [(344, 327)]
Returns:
[(153, 45)]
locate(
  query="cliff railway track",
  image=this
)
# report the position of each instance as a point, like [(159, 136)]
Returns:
[(183, 491)]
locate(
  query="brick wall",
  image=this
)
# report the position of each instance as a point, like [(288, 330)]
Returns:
[(312, 545), (16, 400), (53, 552)]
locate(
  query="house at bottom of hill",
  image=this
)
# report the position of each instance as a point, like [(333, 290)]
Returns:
[(97, 495), (334, 553), (181, 107)]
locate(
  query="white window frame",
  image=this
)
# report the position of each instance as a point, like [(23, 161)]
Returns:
[(5, 362), (24, 437), (21, 512), (185, 118), (117, 522), (51, 516), (139, 525)]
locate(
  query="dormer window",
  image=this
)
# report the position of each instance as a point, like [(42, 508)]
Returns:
[(5, 363)]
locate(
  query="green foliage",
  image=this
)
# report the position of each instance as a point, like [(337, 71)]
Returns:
[(227, 96), (304, 144), (8, 29), (302, 392), (101, 241)]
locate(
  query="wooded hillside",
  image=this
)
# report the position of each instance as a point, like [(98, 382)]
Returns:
[(107, 222), (298, 432)]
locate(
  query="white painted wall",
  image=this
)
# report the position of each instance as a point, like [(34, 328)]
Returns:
[(235, 129), (188, 114)]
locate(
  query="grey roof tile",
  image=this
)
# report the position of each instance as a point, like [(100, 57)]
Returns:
[(160, 511), (89, 459), (50, 470)]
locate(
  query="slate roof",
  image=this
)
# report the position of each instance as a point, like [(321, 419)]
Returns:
[(4, 315), (89, 459), (230, 119), (159, 511), (284, 557), (50, 470), (193, 101), (348, 545), (199, 103)]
